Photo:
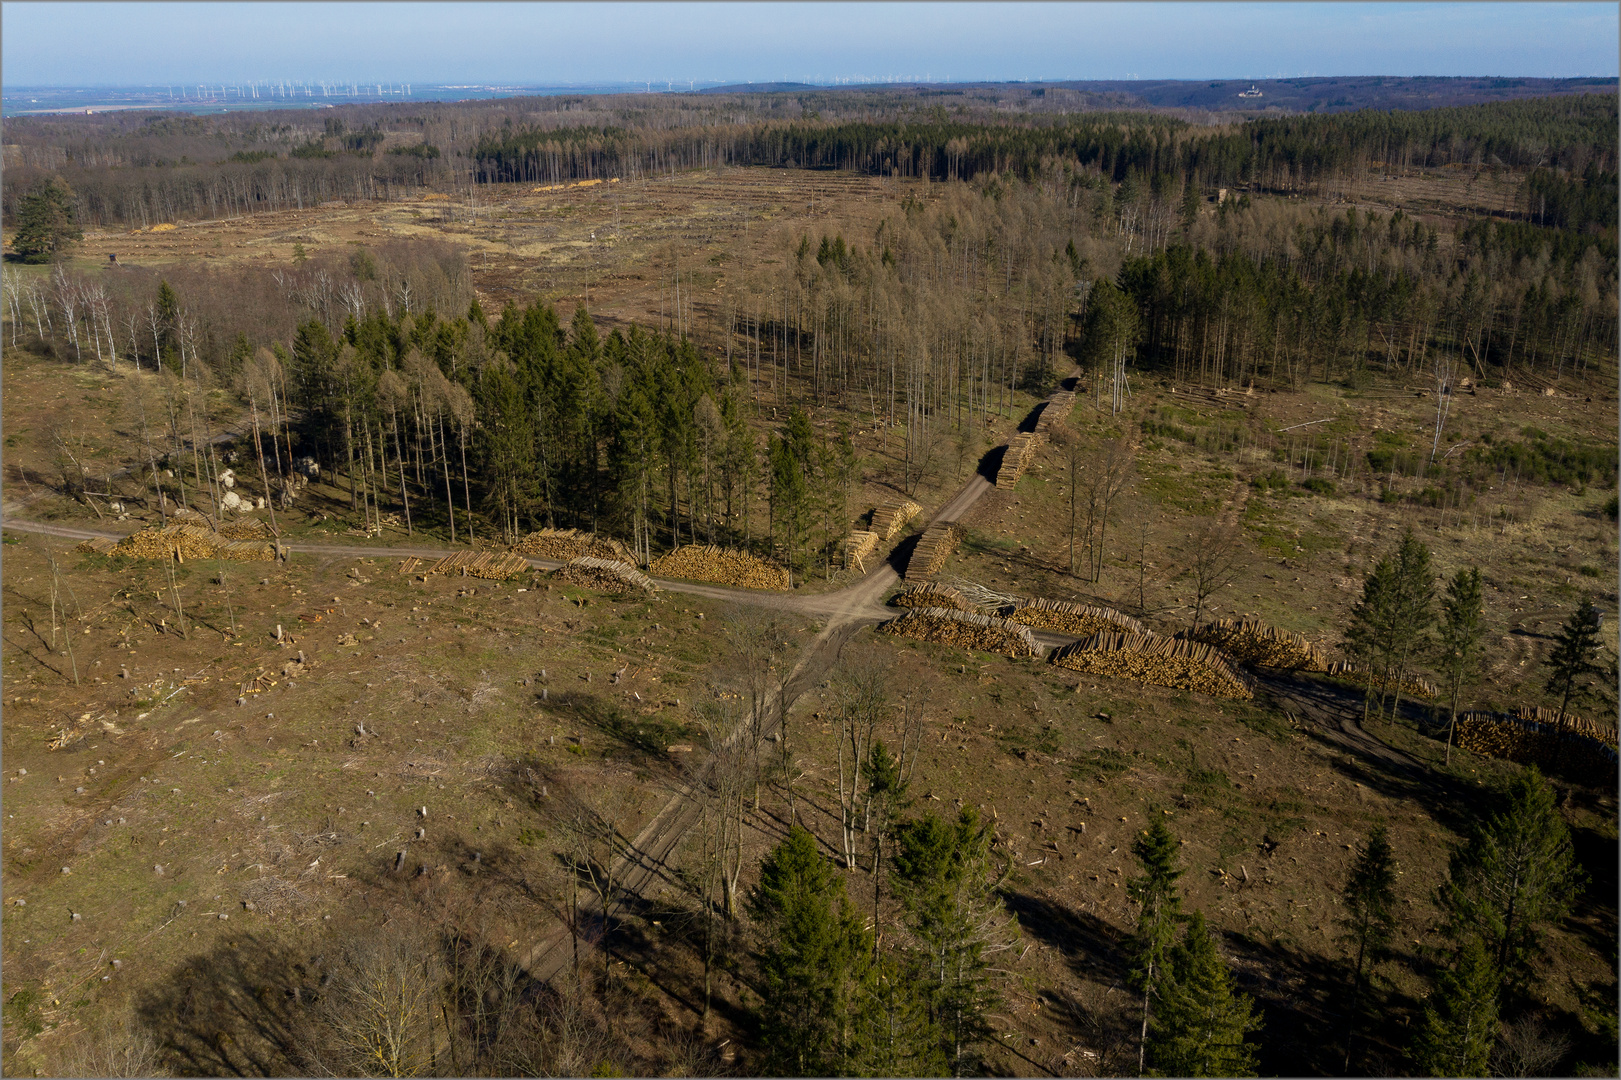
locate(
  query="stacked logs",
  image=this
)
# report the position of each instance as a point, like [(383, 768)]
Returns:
[(491, 565), (1156, 661), (1408, 685), (706, 562), (889, 518), (1020, 452), (182, 542), (1569, 722), (857, 547), (932, 594), (98, 545), (1055, 408), (1065, 617), (1250, 641), (934, 547), (964, 629), (1529, 742), (564, 545), (245, 529), (604, 575)]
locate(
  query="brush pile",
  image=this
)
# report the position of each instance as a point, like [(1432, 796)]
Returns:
[(1409, 685), (889, 518), (857, 547), (934, 547), (566, 544), (1252, 642), (1530, 742), (182, 542), (1064, 617), (1020, 452), (706, 562), (964, 629), (1156, 661), (604, 575), (492, 565), (932, 594)]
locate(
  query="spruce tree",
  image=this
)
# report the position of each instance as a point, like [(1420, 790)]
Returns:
[(1370, 918), (1160, 905), (1460, 1018), (811, 954), (1461, 635), (46, 222), (1575, 657), (1200, 1026), (1391, 624)]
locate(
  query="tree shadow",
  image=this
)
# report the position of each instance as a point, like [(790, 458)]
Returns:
[(1091, 946), (990, 462)]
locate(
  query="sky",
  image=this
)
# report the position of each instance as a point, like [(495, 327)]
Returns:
[(132, 44)]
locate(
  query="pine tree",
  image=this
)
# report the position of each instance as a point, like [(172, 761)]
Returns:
[(1460, 1018), (1574, 659), (1155, 937), (1370, 918), (811, 955), (1461, 635), (1200, 1026), (46, 222), (895, 1035), (1391, 623), (1516, 874)]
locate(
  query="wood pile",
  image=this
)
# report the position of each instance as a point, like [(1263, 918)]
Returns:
[(932, 594), (934, 547), (1156, 661), (1065, 617), (492, 565), (1020, 452), (964, 629), (1410, 686), (1055, 408), (409, 564), (187, 516), (1250, 641), (724, 566), (182, 542), (564, 545), (1571, 722), (889, 518), (1529, 742), (857, 548), (99, 545), (245, 529), (604, 575)]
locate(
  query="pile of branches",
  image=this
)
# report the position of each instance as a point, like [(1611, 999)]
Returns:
[(604, 575), (1250, 641), (964, 629), (1065, 617), (724, 566), (1156, 661)]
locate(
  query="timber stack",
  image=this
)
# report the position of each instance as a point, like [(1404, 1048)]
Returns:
[(1056, 408), (98, 545), (1536, 714), (965, 629), (723, 566), (1530, 742), (182, 542), (564, 545), (889, 518), (604, 575), (1252, 642), (1020, 452), (932, 594), (857, 548), (1065, 617), (1156, 661), (490, 565), (934, 547), (1407, 685)]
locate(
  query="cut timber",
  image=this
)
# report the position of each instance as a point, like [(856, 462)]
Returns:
[(566, 544), (964, 629), (1021, 451), (492, 565), (604, 575), (1532, 742), (1156, 661), (1066, 617), (1252, 642), (1410, 685), (409, 564), (932, 594), (705, 562), (182, 542), (857, 548), (1053, 409), (1536, 714), (889, 518), (99, 545), (933, 548)]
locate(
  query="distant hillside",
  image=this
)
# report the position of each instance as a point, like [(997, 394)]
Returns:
[(1338, 94)]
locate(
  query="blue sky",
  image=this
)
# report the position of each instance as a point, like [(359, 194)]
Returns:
[(64, 44)]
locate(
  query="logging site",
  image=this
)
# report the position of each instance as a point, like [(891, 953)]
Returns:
[(1083, 564)]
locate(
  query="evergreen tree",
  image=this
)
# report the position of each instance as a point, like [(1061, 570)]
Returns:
[(1461, 635), (1391, 623), (812, 953), (1575, 657), (895, 1034), (1369, 921), (1200, 1026), (46, 222), (1160, 907), (1460, 1018), (1515, 875)]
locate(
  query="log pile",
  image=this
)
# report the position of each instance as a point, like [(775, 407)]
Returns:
[(182, 542), (1020, 452), (1529, 742), (964, 629), (1065, 617), (1250, 641), (1570, 722), (1410, 685), (857, 548), (492, 565), (932, 594), (1056, 408), (1156, 661), (604, 575), (889, 518), (564, 545), (98, 545), (706, 562), (245, 528), (934, 547), (187, 516)]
